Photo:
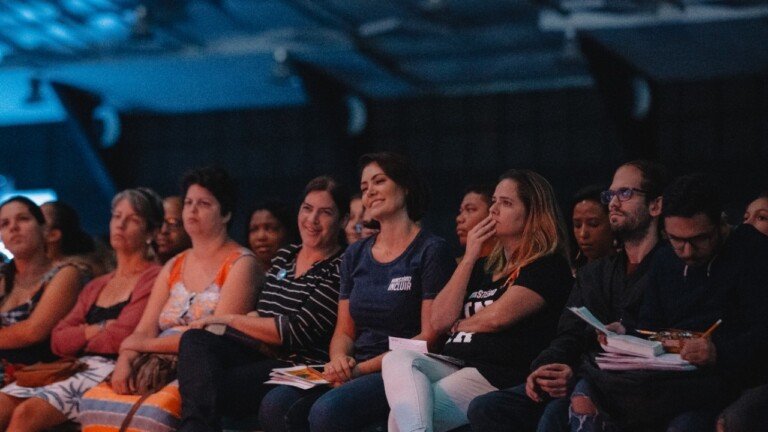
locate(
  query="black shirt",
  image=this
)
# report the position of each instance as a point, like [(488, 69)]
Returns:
[(612, 295), (503, 357)]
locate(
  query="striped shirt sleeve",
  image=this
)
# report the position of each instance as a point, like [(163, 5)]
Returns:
[(304, 309)]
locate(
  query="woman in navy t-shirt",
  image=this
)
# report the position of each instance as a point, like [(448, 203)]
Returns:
[(499, 312), (388, 283)]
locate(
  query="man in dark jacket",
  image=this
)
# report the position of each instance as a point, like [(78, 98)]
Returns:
[(707, 273), (611, 288)]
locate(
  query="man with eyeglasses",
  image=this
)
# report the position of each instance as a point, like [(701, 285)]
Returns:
[(706, 273), (711, 272), (172, 238), (610, 287)]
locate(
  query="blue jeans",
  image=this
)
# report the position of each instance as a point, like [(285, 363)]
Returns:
[(512, 409), (351, 407)]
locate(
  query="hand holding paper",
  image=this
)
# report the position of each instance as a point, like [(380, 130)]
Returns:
[(396, 343)]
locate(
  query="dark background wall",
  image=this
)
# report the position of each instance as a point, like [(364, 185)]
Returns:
[(566, 134), (455, 141)]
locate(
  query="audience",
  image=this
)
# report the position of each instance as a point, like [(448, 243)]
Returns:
[(388, 283), (36, 293), (172, 237), (611, 288), (499, 312), (512, 357), (706, 273), (591, 226), (475, 206), (270, 228), (294, 319), (106, 312), (216, 276)]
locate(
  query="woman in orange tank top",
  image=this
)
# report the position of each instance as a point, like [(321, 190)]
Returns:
[(216, 276)]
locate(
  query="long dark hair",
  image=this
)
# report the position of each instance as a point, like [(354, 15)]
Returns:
[(74, 241), (8, 271)]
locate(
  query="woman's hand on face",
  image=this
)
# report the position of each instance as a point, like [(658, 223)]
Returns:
[(201, 323), (477, 236), (340, 370)]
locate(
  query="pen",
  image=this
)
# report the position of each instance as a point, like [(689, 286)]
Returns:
[(712, 328), (646, 332)]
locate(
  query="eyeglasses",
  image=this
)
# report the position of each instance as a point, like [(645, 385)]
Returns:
[(172, 223), (623, 194), (697, 242)]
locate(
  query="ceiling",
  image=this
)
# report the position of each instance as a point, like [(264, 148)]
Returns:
[(215, 54)]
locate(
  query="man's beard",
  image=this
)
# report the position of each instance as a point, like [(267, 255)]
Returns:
[(635, 226)]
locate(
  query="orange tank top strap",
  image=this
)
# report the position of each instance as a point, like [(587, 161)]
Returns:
[(221, 276), (178, 266)]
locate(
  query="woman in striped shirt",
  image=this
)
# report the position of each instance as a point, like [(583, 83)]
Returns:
[(293, 323)]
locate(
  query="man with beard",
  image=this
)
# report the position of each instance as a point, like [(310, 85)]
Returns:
[(708, 273), (611, 288)]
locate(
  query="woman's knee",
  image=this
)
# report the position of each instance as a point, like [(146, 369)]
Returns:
[(322, 416), (399, 358), (34, 414)]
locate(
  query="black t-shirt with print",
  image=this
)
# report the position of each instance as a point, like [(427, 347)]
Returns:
[(503, 357)]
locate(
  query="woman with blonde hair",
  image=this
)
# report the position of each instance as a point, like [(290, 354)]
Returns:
[(499, 312)]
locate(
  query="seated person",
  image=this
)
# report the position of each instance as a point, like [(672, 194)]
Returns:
[(106, 312), (591, 226), (388, 283), (172, 238), (66, 240), (499, 312), (611, 288), (35, 293), (353, 230), (748, 412), (270, 228), (294, 320), (708, 272), (475, 206), (757, 213), (359, 226), (215, 276)]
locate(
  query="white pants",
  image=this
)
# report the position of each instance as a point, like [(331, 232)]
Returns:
[(426, 394)]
